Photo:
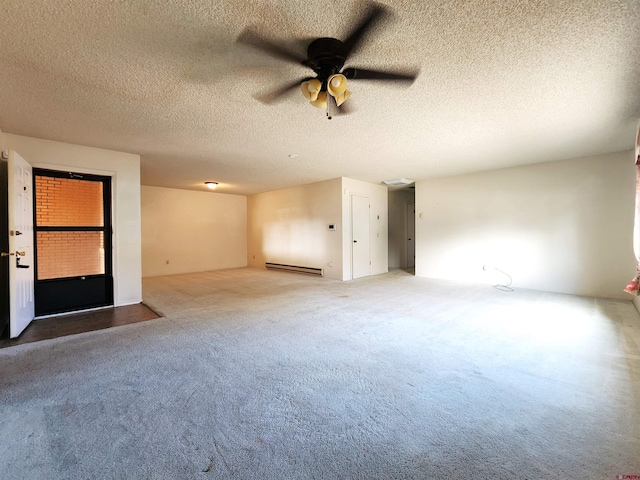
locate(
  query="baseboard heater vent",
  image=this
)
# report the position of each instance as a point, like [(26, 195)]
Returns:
[(294, 268)]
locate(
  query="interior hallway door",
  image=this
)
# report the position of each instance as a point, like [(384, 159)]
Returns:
[(411, 235), (360, 236)]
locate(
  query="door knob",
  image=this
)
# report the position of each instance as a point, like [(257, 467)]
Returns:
[(21, 253)]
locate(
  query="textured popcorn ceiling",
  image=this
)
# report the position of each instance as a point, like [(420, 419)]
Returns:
[(502, 83)]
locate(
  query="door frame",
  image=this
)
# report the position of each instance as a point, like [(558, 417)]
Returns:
[(107, 204)]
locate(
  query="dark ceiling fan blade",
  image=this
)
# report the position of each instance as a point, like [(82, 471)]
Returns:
[(376, 12), (363, 74), (248, 37), (274, 95)]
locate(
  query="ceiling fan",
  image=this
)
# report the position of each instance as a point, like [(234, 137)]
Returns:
[(327, 57)]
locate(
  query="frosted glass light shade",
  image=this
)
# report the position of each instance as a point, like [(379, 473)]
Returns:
[(342, 97), (311, 89), (337, 85), (320, 101)]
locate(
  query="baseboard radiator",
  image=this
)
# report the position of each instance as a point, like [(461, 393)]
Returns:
[(294, 268)]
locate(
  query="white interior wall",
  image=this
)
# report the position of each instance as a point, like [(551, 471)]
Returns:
[(398, 200), (378, 222), (124, 168), (291, 226), (564, 226), (187, 231)]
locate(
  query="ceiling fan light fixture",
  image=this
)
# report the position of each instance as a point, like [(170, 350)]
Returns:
[(342, 97), (327, 57), (320, 101), (311, 89), (337, 85)]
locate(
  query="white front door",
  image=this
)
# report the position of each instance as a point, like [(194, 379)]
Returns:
[(360, 251), (411, 235), (21, 267)]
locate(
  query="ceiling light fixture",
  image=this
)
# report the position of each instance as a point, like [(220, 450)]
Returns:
[(397, 182), (293, 155), (211, 185), (316, 91), (326, 56)]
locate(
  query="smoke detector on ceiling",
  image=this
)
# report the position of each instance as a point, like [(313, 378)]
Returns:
[(396, 182)]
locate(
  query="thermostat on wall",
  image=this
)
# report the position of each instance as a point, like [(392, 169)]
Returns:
[(333, 226)]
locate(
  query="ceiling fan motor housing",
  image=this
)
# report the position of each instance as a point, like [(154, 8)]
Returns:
[(326, 56)]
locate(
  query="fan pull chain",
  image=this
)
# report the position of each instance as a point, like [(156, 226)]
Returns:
[(331, 105)]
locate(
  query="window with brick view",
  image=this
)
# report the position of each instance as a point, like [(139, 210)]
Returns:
[(64, 202), (68, 202)]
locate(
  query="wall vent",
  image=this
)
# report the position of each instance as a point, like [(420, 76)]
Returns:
[(294, 268)]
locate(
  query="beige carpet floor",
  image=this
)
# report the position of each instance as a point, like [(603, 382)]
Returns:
[(261, 374)]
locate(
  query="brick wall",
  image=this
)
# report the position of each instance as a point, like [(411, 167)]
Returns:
[(69, 202), (69, 254)]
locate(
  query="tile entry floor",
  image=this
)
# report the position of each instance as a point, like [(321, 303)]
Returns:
[(71, 324)]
